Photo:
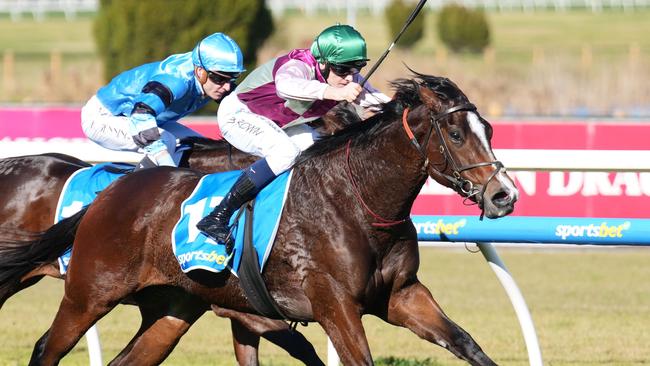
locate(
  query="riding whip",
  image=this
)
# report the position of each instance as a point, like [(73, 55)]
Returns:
[(410, 20)]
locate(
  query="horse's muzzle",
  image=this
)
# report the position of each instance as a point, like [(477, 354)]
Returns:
[(499, 199)]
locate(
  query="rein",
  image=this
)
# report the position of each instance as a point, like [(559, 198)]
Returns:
[(465, 186), (382, 222)]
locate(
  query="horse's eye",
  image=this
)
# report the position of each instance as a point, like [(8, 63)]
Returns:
[(456, 136)]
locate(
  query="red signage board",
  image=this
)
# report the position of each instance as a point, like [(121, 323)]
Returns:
[(556, 194), (564, 194)]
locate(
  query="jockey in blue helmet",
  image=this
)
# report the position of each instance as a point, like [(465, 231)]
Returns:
[(140, 108), (269, 113)]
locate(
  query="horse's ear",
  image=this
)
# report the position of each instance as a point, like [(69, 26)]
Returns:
[(430, 99)]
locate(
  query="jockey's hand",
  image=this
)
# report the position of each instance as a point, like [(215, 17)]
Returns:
[(144, 129), (146, 137), (349, 92), (157, 152)]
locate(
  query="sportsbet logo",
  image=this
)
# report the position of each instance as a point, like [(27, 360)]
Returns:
[(440, 227), (202, 256), (599, 231)]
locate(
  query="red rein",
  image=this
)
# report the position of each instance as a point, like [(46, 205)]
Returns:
[(381, 222)]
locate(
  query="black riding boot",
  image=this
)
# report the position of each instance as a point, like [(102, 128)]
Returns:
[(215, 225)]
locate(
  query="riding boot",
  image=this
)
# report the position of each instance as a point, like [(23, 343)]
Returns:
[(215, 225)]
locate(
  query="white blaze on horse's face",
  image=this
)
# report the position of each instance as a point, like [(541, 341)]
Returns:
[(478, 128)]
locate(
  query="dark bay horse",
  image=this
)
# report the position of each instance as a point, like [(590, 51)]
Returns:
[(29, 190), (30, 186), (344, 247)]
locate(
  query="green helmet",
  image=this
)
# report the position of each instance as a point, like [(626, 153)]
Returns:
[(339, 44)]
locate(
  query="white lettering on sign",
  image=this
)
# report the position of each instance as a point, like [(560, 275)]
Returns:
[(526, 181), (558, 186), (563, 184), (601, 231), (599, 184)]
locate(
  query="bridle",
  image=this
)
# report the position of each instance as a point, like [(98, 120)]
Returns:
[(462, 185)]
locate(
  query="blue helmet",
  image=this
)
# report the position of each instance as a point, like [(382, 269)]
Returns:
[(218, 52)]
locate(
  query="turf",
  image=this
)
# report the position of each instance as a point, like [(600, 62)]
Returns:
[(590, 307)]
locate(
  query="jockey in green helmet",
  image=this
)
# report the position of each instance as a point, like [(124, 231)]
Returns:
[(270, 112)]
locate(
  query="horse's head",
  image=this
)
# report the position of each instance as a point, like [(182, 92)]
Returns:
[(454, 141)]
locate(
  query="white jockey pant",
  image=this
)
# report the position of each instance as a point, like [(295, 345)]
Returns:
[(260, 136), (113, 132)]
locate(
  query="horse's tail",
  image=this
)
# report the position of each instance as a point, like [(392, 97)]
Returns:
[(25, 252)]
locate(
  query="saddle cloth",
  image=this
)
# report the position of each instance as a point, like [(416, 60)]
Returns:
[(80, 190), (194, 250)]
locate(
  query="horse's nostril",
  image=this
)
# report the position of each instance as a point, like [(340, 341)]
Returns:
[(501, 198)]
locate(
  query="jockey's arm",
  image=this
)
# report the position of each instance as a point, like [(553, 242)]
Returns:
[(370, 98), (154, 98), (293, 80)]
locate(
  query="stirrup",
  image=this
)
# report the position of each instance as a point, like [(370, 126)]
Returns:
[(228, 242)]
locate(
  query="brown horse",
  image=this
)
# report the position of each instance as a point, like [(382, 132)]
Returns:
[(30, 187), (344, 247)]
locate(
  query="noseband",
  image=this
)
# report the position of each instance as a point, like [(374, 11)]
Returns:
[(463, 185)]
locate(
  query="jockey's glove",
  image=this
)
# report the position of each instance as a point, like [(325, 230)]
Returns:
[(144, 129)]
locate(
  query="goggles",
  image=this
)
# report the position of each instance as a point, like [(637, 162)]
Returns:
[(347, 68), (222, 77)]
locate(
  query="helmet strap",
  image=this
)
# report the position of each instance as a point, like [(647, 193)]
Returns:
[(325, 71), (203, 72)]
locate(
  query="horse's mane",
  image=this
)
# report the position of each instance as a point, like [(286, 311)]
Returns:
[(406, 95), (200, 143)]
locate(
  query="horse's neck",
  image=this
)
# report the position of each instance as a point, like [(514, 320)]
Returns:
[(388, 174)]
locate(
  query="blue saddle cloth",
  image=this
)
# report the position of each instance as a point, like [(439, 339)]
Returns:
[(194, 250), (81, 189)]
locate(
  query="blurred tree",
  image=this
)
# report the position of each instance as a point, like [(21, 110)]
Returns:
[(462, 29), (129, 33), (396, 14)]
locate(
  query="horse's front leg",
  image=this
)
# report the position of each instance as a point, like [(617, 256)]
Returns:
[(414, 308), (247, 329), (340, 317)]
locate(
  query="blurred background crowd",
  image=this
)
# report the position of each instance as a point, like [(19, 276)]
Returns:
[(548, 58)]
